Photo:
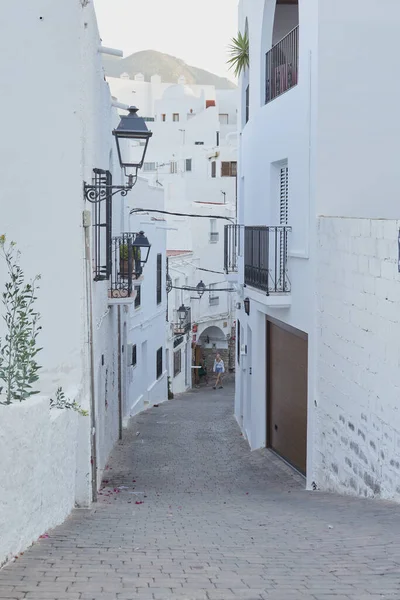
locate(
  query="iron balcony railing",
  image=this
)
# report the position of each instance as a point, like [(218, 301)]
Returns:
[(282, 66), (184, 325), (233, 244), (266, 259), (126, 266)]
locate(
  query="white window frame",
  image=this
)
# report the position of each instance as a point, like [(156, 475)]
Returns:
[(214, 234), (213, 298)]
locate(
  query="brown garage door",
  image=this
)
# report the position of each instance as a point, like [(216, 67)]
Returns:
[(287, 350)]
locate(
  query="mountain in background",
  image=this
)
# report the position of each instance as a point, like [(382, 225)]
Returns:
[(150, 62)]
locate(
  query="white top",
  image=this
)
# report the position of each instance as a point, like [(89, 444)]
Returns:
[(221, 364)]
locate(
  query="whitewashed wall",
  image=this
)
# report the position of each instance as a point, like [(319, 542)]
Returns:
[(357, 445), (42, 203), (38, 461)]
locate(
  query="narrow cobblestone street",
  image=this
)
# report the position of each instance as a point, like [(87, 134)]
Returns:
[(187, 512)]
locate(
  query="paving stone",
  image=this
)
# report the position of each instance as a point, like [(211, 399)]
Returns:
[(218, 522)]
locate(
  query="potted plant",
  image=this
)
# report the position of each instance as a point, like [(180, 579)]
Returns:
[(124, 261)]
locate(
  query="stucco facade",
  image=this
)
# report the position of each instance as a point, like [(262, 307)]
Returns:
[(338, 159), (54, 460)]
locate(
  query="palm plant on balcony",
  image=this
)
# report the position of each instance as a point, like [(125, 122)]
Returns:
[(239, 52)]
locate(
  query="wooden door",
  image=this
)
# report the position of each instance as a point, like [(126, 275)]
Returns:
[(287, 352)]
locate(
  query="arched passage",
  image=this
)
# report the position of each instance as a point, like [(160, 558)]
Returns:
[(212, 341)]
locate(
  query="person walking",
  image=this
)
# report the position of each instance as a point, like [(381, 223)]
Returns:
[(219, 369)]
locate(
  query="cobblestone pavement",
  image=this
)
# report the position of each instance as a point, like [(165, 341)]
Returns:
[(214, 522)]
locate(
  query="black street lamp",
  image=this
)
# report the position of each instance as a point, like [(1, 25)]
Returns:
[(141, 250), (132, 138), (182, 312), (201, 288)]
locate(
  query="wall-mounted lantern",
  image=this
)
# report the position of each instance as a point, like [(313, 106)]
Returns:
[(201, 288), (246, 304), (132, 138)]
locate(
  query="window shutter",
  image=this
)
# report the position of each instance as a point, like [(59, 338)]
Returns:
[(284, 196), (225, 169), (233, 169), (213, 169)]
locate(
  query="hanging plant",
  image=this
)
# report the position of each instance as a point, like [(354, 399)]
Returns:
[(239, 51), (18, 349)]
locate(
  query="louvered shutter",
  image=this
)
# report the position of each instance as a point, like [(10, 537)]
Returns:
[(225, 169), (283, 220), (284, 196)]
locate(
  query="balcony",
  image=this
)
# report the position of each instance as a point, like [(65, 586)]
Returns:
[(282, 66), (184, 321), (266, 258), (233, 244), (126, 269)]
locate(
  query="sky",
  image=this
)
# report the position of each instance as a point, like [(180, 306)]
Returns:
[(196, 31)]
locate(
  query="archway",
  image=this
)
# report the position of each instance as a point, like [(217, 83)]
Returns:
[(280, 18), (286, 18), (212, 341)]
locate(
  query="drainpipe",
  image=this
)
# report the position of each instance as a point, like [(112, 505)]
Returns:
[(119, 375), (89, 299)]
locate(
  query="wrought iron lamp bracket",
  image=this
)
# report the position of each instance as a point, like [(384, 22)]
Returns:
[(99, 190)]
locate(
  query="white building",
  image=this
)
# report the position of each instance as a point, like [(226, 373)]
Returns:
[(146, 336), (53, 460), (193, 159), (318, 353)]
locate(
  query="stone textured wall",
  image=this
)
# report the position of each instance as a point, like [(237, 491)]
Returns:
[(357, 425)]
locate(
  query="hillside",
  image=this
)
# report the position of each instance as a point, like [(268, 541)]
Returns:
[(170, 68)]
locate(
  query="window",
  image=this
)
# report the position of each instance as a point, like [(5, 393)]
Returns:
[(149, 166), (173, 166), (217, 138), (149, 119), (134, 356), (138, 296), (224, 119), (213, 169), (238, 341), (102, 228), (229, 169), (188, 164), (214, 235), (177, 362), (199, 143), (159, 278), (175, 117), (213, 298), (163, 118), (159, 363)]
